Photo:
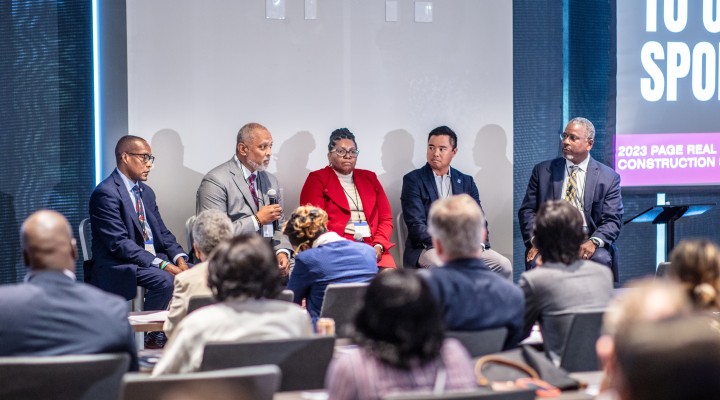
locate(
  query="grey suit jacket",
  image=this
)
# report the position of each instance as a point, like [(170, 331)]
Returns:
[(224, 188)]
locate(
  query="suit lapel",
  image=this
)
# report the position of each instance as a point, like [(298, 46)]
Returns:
[(239, 180), (456, 181), (428, 179), (557, 173), (591, 179), (127, 201), (334, 190), (366, 192)]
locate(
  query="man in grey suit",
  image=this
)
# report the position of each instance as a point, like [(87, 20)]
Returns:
[(243, 189)]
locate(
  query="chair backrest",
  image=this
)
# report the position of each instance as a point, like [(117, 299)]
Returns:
[(303, 362), (85, 239), (196, 302), (662, 269), (188, 236), (579, 348), (481, 343), (401, 230), (526, 394), (85, 377), (250, 383), (341, 302), (286, 295)]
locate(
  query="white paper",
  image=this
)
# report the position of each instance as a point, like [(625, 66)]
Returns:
[(275, 9), (159, 316), (391, 11), (310, 9), (423, 11)]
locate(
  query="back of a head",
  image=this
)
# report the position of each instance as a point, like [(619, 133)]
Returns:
[(211, 227), (558, 232), (399, 321), (674, 359), (244, 267), (457, 222), (305, 224), (696, 265), (47, 242)]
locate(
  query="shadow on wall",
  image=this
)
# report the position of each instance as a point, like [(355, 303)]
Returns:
[(174, 184), (292, 160), (495, 183), (397, 153)]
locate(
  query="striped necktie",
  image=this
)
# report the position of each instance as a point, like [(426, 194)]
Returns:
[(571, 192), (251, 184), (140, 211)]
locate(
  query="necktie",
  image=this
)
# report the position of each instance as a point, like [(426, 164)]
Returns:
[(571, 192), (251, 183), (140, 210)]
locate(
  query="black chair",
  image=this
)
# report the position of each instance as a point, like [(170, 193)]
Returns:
[(341, 302), (196, 302), (85, 232), (77, 377), (473, 395), (662, 269), (481, 343), (303, 362), (579, 348), (250, 383)]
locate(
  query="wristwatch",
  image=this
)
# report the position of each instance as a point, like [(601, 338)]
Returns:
[(596, 241)]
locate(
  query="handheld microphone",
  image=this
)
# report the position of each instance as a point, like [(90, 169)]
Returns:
[(273, 199)]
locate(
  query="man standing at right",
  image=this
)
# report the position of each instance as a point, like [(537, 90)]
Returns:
[(593, 188), (437, 180)]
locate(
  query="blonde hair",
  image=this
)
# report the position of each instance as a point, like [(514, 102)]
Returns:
[(696, 265), (304, 226)]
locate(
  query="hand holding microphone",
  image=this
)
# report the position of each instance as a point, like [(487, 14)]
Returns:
[(271, 212)]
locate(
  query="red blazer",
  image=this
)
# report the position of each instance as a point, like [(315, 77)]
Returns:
[(322, 189)]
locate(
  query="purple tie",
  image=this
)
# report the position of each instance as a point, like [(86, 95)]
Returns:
[(251, 183)]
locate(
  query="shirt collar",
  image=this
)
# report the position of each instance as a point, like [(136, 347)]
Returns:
[(128, 182), (246, 172), (583, 164), (65, 272)]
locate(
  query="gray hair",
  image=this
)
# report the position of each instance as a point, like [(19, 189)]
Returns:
[(458, 224), (589, 127), (246, 132), (210, 228)]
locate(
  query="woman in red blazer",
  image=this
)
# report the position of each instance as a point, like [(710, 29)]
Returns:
[(354, 200)]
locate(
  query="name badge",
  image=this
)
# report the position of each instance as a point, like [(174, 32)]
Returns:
[(268, 230), (149, 247), (363, 228)]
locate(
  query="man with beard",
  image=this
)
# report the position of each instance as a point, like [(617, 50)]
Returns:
[(593, 188), (241, 187)]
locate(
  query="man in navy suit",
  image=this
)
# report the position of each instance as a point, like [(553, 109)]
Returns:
[(53, 314), (437, 180), (131, 245), (590, 186)]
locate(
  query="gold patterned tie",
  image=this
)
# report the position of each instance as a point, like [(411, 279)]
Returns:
[(571, 192)]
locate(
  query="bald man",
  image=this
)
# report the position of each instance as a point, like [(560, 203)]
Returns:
[(53, 314)]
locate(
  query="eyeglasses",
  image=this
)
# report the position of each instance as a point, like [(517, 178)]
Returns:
[(572, 137), (342, 152), (145, 157)]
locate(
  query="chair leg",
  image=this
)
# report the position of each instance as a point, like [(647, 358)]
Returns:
[(138, 303)]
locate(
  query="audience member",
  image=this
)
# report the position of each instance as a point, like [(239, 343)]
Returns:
[(696, 265), (242, 188), (131, 245), (51, 313), (591, 187), (471, 296), (323, 257), (401, 345), (354, 199), (245, 280), (564, 284), (438, 180), (211, 227)]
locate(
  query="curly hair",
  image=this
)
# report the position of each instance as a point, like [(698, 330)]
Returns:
[(304, 226), (400, 322), (696, 264), (244, 266)]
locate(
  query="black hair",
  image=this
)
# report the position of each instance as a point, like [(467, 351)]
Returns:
[(339, 134), (123, 144), (558, 232), (444, 131)]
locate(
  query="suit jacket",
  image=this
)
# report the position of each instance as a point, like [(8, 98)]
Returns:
[(224, 188), (53, 315), (118, 247), (322, 189), (190, 283), (419, 191), (472, 297), (603, 206)]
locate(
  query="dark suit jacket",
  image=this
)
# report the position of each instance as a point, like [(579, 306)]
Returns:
[(322, 189), (419, 191), (54, 315), (603, 206), (118, 248), (472, 297)]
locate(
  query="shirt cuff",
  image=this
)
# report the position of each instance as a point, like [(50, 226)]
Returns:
[(156, 262), (286, 251), (183, 255), (602, 243), (256, 224)]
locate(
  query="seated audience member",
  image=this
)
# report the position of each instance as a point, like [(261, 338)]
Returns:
[(696, 265), (51, 313), (354, 200), (211, 227), (245, 280), (471, 296), (323, 258), (401, 345), (641, 301), (566, 284), (674, 359)]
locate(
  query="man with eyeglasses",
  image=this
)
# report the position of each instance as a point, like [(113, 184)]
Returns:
[(131, 245), (438, 180), (593, 188), (246, 192)]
